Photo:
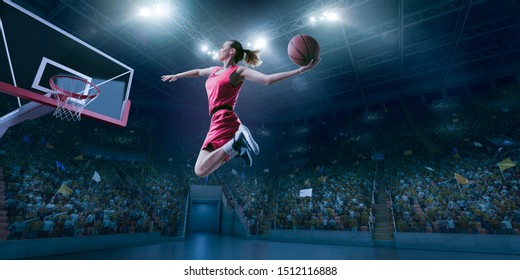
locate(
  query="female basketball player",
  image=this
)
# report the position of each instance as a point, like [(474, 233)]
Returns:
[(227, 138)]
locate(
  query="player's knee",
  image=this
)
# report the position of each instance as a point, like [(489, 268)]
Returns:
[(201, 172)]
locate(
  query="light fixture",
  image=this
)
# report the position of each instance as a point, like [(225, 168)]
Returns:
[(260, 44), (325, 16), (145, 12), (158, 10), (331, 16)]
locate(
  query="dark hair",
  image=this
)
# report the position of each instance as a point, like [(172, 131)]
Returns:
[(252, 57)]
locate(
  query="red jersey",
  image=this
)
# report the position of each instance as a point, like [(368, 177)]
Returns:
[(220, 90), (224, 123)]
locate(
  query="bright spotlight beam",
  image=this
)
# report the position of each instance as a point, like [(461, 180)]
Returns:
[(145, 12), (260, 43), (332, 16)]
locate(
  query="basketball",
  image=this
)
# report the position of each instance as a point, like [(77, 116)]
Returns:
[(302, 49)]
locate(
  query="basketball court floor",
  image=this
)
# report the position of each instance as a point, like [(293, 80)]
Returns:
[(209, 246)]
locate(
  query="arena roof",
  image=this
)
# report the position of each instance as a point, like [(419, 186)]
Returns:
[(380, 54)]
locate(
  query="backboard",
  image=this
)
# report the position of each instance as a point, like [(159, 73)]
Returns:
[(33, 50)]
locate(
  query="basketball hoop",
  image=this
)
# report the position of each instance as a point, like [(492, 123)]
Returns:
[(72, 95)]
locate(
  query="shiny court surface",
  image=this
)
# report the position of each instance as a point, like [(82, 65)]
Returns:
[(203, 246)]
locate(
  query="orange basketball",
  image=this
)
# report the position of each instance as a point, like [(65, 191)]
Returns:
[(302, 49)]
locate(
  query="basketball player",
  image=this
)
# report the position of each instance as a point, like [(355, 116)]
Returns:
[(227, 138)]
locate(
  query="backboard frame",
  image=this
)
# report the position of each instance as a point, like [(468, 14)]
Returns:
[(44, 96)]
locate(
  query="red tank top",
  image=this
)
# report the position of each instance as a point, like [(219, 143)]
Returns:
[(220, 90)]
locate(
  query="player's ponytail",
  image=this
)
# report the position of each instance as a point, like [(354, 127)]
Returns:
[(252, 57)]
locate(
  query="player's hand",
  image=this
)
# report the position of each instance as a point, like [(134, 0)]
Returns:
[(169, 78), (309, 66)]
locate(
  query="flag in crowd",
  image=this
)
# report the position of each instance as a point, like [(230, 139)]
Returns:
[(80, 157), (477, 144), (456, 155), (26, 139), (506, 164), (234, 172), (461, 179), (96, 177), (429, 168), (266, 170), (64, 189), (322, 179), (60, 165), (49, 146), (306, 193)]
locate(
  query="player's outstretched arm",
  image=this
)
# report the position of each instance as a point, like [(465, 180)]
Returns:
[(190, 73), (259, 77)]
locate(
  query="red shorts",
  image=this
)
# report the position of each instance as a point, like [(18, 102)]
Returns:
[(224, 124)]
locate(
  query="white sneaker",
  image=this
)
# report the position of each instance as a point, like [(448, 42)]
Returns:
[(246, 156), (244, 138)]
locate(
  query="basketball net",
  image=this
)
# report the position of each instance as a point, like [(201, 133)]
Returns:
[(72, 94)]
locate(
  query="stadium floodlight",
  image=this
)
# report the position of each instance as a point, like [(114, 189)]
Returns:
[(331, 16), (145, 12), (259, 44), (158, 10), (325, 16)]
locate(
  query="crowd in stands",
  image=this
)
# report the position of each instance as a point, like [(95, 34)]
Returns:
[(128, 197), (341, 198), (132, 138), (423, 146), (434, 201), (425, 194)]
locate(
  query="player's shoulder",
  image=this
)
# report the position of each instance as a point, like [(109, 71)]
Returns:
[(241, 69)]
